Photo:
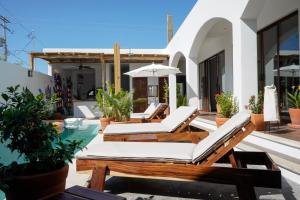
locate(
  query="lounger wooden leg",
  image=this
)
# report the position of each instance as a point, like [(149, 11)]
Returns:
[(246, 192), (98, 178)]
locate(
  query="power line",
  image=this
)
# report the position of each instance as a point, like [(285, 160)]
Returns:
[(14, 55), (12, 16)]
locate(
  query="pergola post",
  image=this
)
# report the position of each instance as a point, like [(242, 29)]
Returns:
[(31, 65), (117, 67), (103, 71)]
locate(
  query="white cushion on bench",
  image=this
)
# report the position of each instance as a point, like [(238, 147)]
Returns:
[(134, 128), (139, 151), (176, 118), (215, 139)]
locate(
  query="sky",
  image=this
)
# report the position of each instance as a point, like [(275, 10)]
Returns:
[(38, 24)]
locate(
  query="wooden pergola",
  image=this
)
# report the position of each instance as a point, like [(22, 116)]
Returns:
[(79, 57)]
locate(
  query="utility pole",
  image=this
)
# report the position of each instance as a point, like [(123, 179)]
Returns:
[(4, 23), (170, 31)]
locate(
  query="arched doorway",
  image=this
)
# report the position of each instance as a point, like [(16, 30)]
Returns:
[(212, 51)]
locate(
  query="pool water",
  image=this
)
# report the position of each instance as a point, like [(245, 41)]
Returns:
[(86, 133)]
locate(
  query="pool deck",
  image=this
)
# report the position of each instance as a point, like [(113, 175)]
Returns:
[(144, 189)]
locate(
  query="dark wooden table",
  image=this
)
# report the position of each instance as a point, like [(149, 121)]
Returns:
[(82, 193)]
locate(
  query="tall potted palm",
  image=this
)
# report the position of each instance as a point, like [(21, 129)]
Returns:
[(104, 99), (228, 107), (23, 130), (294, 108), (123, 105), (256, 108)]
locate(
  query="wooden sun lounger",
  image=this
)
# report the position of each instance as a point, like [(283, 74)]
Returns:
[(238, 174), (157, 116), (182, 134)]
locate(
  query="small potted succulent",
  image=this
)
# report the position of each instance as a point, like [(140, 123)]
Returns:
[(228, 107), (294, 107), (256, 107), (43, 168)]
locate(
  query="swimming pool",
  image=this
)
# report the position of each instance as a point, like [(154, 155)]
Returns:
[(86, 133)]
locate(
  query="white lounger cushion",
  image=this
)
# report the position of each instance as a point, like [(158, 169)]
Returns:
[(148, 112), (151, 109), (169, 124), (139, 116), (176, 118), (139, 151), (210, 143), (134, 128)]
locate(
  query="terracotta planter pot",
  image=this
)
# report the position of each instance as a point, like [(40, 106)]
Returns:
[(38, 186), (104, 122), (221, 120), (295, 116), (258, 121)]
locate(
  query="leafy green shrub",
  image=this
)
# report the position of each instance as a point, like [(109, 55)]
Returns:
[(228, 104), (256, 107), (23, 129), (114, 105), (294, 99)]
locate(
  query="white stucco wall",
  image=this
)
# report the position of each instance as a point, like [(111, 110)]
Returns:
[(12, 74), (246, 17)]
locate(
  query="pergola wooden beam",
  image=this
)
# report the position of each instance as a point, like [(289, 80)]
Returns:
[(78, 57), (117, 67), (108, 58)]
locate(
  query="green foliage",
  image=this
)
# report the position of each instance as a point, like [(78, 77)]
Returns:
[(181, 99), (228, 104), (114, 105), (256, 107), (166, 91), (104, 100), (23, 129), (294, 99)]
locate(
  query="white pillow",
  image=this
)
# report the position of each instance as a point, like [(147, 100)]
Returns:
[(213, 141), (151, 109), (177, 117)]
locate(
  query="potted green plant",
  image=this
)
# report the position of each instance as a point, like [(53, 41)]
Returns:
[(123, 105), (256, 107), (228, 107), (181, 99), (217, 95), (23, 130), (104, 99), (294, 107)]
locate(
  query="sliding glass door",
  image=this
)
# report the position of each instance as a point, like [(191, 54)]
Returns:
[(278, 57), (211, 74)]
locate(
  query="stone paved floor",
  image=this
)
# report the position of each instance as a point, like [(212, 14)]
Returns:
[(145, 189)]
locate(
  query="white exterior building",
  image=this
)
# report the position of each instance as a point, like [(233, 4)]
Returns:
[(221, 42), (225, 45)]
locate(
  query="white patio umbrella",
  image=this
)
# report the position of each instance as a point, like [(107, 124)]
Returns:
[(153, 70)]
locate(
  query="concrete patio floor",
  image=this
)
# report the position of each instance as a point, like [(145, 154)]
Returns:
[(152, 189)]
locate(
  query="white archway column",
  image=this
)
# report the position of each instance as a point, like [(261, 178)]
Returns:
[(192, 82), (245, 81), (172, 92)]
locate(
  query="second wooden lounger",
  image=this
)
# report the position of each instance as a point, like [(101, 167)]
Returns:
[(175, 127)]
